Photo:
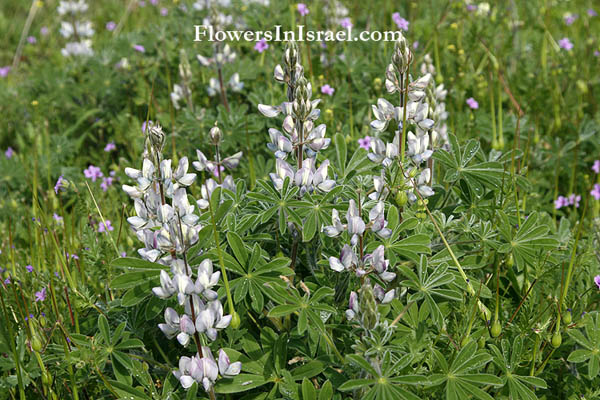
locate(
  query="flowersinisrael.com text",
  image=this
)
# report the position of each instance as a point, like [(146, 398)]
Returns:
[(208, 33)]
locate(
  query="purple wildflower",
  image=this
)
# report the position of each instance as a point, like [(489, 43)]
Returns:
[(154, 2), (560, 202), (597, 281), (592, 13), (29, 268), (216, 171), (105, 226), (124, 254), (346, 23), (44, 31), (93, 173), (415, 44), (261, 45), (400, 22), (41, 295), (4, 71), (110, 26), (566, 44), (57, 217), (164, 11), (303, 9), (596, 166), (596, 191), (139, 48), (365, 143), (472, 103), (328, 90), (574, 200), (106, 182), (142, 3), (144, 126), (570, 18), (9, 152), (110, 147), (596, 53), (7, 281), (59, 184), (471, 7), (31, 40)]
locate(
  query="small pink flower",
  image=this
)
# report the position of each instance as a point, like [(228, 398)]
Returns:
[(29, 268), (31, 40), (142, 3), (4, 71), (139, 47), (415, 44), (9, 152), (400, 22), (92, 172), (346, 23), (328, 90), (110, 147), (261, 45), (560, 202), (596, 166), (106, 182), (471, 7), (596, 191), (60, 184), (110, 26), (303, 9), (57, 217), (164, 11), (471, 102), (574, 200), (570, 18), (154, 2), (566, 44), (365, 143), (44, 31), (597, 281), (592, 13), (102, 227), (41, 295)]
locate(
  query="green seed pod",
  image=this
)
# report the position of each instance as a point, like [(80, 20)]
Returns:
[(47, 379), (235, 320), (368, 306), (42, 320), (401, 198), (567, 317), (36, 343), (496, 329), (556, 340), (510, 261)]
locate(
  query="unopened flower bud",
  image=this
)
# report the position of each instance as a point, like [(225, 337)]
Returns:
[(235, 320), (556, 340), (216, 135), (156, 137), (496, 329)]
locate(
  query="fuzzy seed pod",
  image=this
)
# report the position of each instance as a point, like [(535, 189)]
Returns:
[(368, 306)]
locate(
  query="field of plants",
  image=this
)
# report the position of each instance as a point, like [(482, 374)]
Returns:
[(400, 202)]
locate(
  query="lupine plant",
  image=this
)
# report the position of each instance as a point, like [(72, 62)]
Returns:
[(408, 219)]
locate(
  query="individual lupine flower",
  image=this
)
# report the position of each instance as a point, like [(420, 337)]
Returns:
[(380, 264), (346, 23), (206, 280), (41, 295), (356, 226), (381, 190), (220, 57), (211, 318), (472, 103), (597, 281), (574, 200), (280, 144), (596, 191), (183, 327), (9, 152), (110, 26), (29, 268), (328, 90), (418, 147), (596, 166), (92, 172), (4, 71), (203, 370), (72, 7), (139, 48), (105, 226), (336, 227), (560, 202), (384, 112), (483, 8), (83, 48), (83, 29), (261, 45), (167, 287), (353, 306), (566, 44), (377, 220), (383, 296), (421, 184), (110, 147), (303, 9), (365, 143), (400, 22), (226, 368), (234, 83), (384, 153), (346, 261)]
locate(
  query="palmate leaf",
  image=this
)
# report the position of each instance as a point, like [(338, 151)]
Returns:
[(528, 242), (590, 343), (460, 165), (462, 377)]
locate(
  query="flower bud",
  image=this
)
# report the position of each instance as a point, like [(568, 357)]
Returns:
[(496, 329), (481, 342), (556, 340), (567, 317), (465, 341), (235, 320), (156, 137), (216, 135), (401, 198), (36, 343)]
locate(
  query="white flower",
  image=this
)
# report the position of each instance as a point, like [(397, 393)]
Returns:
[(226, 368), (206, 280)]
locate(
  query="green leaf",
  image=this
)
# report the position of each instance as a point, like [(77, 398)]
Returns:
[(308, 390), (131, 279), (237, 246), (341, 151), (239, 383), (308, 370), (283, 310), (136, 264), (356, 384), (326, 392), (104, 328)]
